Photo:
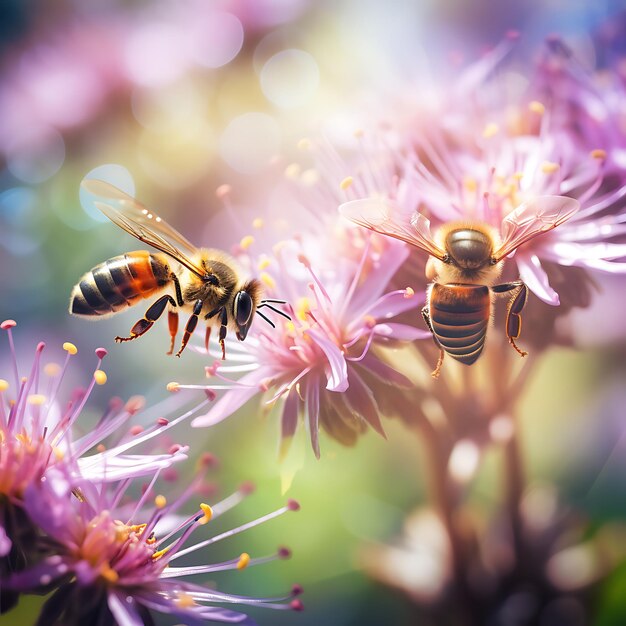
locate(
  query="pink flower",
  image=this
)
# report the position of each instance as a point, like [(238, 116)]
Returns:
[(112, 557), (324, 362)]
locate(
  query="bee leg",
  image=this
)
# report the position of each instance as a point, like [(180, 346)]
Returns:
[(207, 337), (426, 316), (514, 310), (223, 330), (190, 326), (152, 315), (172, 322), (179, 293)]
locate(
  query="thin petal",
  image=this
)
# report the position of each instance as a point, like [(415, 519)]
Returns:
[(385, 373), (232, 400), (402, 332), (313, 412), (289, 420), (378, 278), (361, 401), (123, 609), (536, 279), (338, 369)]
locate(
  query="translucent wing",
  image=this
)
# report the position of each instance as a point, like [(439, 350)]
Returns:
[(140, 222), (380, 216), (534, 218)]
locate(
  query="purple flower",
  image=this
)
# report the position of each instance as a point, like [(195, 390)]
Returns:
[(114, 557), (37, 422), (323, 363), (38, 440)]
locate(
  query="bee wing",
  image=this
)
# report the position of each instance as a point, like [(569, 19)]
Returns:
[(140, 222), (377, 216), (534, 218)]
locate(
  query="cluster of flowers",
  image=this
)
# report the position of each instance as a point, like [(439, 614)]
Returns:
[(74, 525), (477, 154)]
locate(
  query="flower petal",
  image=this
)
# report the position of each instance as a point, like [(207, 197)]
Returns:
[(385, 373), (361, 401), (313, 411), (338, 370), (232, 400), (123, 609), (536, 279), (402, 332)]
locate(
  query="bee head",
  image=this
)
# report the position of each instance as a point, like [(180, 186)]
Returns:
[(244, 307)]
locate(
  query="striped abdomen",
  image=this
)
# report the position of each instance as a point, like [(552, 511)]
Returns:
[(459, 315), (120, 282)]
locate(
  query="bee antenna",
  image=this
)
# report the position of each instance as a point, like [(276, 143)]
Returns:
[(274, 301), (269, 306), (267, 319)]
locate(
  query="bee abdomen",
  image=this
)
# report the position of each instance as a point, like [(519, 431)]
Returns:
[(459, 315), (119, 282)]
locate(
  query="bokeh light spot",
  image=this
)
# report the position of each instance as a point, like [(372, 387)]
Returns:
[(249, 142), (156, 54), (18, 209), (215, 40), (112, 173), (37, 156), (290, 78), (177, 159)]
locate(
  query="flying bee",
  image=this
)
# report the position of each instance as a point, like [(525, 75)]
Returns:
[(199, 281), (466, 260)]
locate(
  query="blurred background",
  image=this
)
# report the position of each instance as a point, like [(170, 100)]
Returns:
[(192, 95)]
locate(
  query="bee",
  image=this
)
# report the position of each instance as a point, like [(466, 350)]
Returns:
[(199, 281), (466, 260)]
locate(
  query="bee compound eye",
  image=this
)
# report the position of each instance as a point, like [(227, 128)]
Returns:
[(243, 308)]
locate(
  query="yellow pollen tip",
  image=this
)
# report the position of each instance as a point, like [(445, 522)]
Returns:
[(264, 263), (100, 377), (52, 369), (548, 167), (109, 574), (267, 280), (160, 501), (491, 130), (244, 561), (137, 528), (173, 387), (4, 384), (258, 222), (208, 513), (310, 177), (537, 107), (409, 292), (70, 348), (370, 321), (291, 327), (159, 553), (302, 307), (358, 133), (37, 399), (598, 154), (518, 176), (470, 184), (346, 183), (304, 144), (292, 171), (185, 601), (246, 242), (59, 454)]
